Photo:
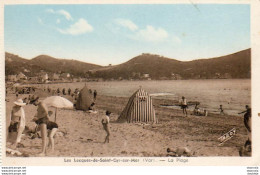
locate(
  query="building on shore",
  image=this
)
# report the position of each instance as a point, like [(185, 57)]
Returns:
[(12, 78), (21, 76)]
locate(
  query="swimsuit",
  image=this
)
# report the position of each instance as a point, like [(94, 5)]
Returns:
[(13, 127), (184, 104), (51, 125), (43, 120)]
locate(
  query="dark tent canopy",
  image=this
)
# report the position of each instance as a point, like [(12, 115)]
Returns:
[(84, 99)]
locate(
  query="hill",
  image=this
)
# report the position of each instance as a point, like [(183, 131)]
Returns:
[(15, 64), (145, 66), (237, 65)]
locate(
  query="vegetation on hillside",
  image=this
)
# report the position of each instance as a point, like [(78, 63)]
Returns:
[(145, 66)]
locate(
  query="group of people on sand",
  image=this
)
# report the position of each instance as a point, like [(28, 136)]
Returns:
[(18, 121), (42, 121), (69, 92), (202, 112), (196, 111), (246, 149)]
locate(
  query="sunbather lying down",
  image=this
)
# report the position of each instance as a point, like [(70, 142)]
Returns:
[(179, 152), (200, 112)]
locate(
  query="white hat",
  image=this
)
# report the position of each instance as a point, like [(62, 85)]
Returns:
[(19, 102)]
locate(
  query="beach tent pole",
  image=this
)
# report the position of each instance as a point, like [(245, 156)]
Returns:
[(55, 114)]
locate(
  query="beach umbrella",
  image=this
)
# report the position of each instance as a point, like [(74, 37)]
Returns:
[(58, 102)]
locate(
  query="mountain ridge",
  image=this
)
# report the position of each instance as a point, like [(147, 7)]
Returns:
[(235, 65)]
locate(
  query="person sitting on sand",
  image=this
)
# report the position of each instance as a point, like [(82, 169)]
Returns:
[(32, 99), (184, 106), (42, 119), (35, 101), (91, 109), (196, 109), (247, 118), (17, 123), (25, 100), (105, 123), (52, 128)]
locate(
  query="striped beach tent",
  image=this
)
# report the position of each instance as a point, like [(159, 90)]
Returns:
[(139, 108)]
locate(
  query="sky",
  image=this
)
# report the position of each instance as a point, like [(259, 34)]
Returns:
[(112, 33)]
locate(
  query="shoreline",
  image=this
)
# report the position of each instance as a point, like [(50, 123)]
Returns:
[(232, 95)]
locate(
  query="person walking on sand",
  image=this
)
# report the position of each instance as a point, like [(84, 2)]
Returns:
[(247, 118), (17, 124), (105, 123), (184, 106)]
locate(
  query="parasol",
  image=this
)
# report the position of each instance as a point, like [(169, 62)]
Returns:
[(58, 102)]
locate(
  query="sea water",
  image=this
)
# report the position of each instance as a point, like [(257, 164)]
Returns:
[(232, 94)]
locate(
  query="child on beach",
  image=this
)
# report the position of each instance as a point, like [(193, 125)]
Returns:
[(105, 123), (221, 110)]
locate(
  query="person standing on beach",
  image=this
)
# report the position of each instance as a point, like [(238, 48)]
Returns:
[(95, 95), (247, 118), (17, 124), (184, 106), (58, 91), (105, 123), (42, 119), (52, 128), (63, 91), (69, 90), (246, 150)]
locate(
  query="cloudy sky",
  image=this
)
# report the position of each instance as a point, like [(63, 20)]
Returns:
[(113, 34)]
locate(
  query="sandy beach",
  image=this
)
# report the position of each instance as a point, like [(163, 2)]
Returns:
[(81, 133)]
